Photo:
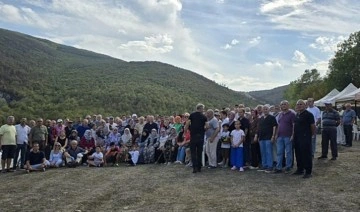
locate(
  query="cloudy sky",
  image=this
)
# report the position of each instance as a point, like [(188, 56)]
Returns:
[(245, 44)]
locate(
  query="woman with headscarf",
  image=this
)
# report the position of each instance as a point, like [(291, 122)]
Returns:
[(169, 146), (114, 136), (125, 143), (149, 149), (88, 144)]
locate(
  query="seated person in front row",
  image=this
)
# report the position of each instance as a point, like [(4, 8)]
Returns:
[(113, 155), (74, 154), (36, 160), (97, 158), (56, 156)]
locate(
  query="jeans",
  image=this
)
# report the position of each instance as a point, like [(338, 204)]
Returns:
[(181, 154), (284, 143), (313, 145), (266, 154), (23, 149)]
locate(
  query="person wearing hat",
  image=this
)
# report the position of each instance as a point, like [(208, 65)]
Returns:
[(58, 128), (330, 120), (69, 128)]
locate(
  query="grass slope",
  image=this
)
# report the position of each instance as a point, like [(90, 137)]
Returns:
[(42, 78)]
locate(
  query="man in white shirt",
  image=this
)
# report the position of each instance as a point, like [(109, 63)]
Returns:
[(317, 116), (22, 131)]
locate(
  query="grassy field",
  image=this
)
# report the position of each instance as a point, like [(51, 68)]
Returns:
[(333, 187)]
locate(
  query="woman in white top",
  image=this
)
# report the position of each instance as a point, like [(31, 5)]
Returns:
[(56, 156)]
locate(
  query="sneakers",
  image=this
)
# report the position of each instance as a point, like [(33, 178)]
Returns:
[(333, 158), (268, 171), (116, 164), (253, 167), (221, 164), (241, 169), (43, 169), (261, 169), (211, 167), (233, 168)]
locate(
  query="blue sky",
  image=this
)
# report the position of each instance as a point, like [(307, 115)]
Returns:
[(244, 44)]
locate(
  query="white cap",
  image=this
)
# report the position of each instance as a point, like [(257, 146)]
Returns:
[(59, 120), (134, 115), (327, 102)]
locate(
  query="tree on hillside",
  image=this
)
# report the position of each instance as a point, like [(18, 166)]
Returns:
[(308, 85), (344, 68)]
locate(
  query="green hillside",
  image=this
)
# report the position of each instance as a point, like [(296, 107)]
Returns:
[(42, 78), (272, 96)]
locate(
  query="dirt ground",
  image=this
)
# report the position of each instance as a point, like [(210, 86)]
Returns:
[(333, 187)]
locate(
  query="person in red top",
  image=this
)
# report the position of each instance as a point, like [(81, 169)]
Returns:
[(113, 155), (88, 144)]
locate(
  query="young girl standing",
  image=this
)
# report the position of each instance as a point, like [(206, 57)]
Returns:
[(237, 139)]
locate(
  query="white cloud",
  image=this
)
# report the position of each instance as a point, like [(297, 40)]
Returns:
[(271, 64), (322, 67), (153, 44), (234, 42), (220, 1), (327, 44), (270, 6), (255, 40), (299, 57)]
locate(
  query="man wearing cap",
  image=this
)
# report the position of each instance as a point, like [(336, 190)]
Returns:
[(58, 128), (39, 134), (330, 120), (348, 119)]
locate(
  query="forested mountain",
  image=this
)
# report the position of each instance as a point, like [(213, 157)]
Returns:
[(42, 78), (272, 96)]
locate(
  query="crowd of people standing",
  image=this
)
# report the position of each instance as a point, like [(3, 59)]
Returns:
[(267, 138)]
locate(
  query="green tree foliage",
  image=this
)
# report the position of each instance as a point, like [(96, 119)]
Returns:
[(308, 85), (45, 79), (344, 68)]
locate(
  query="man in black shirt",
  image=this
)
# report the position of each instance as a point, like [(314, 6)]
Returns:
[(197, 124), (36, 159), (304, 129)]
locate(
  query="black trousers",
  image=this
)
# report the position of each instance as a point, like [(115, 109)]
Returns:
[(196, 148), (348, 134), (329, 135), (255, 154), (303, 153)]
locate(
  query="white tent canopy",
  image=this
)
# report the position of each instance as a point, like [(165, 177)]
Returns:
[(332, 93), (350, 97), (350, 88)]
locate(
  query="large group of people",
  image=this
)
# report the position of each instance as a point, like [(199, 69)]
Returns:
[(266, 138)]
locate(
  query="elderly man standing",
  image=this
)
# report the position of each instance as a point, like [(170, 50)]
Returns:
[(197, 124), (39, 134), (211, 138), (22, 131), (330, 120), (317, 118), (284, 137), (348, 119), (304, 129), (8, 143)]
